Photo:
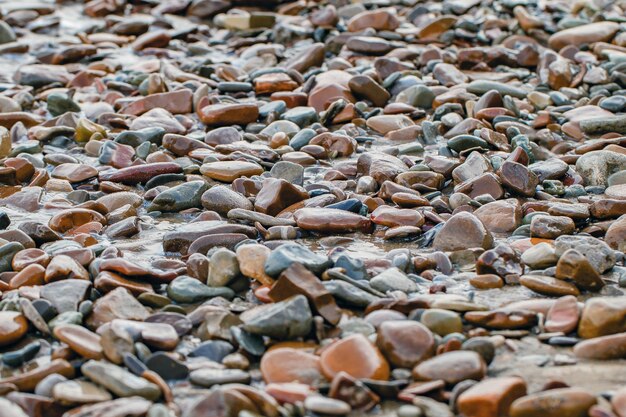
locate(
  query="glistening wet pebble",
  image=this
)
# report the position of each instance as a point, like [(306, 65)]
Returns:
[(242, 208)]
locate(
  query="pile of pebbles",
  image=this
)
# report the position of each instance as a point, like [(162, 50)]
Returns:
[(243, 208)]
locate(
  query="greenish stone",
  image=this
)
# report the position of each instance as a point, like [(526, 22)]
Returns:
[(442, 322), (188, 290), (153, 300), (7, 252), (285, 255), (18, 357), (464, 142), (553, 187), (6, 33), (302, 138), (302, 116), (59, 104), (287, 319), (135, 138), (67, 317), (180, 197)]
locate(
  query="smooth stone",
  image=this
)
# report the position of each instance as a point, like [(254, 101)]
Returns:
[(463, 231), (602, 317), (180, 197), (286, 365), (166, 366), (441, 322), (560, 402), (583, 34), (492, 397), (615, 235), (393, 279), (80, 340), (597, 252), (405, 343), (500, 216), (214, 350), (285, 255), (596, 167), (452, 367), (79, 392), (602, 348), (66, 295), (252, 259), (573, 265), (18, 357), (223, 268), (287, 319), (298, 280), (188, 290), (208, 377), (563, 315), (117, 304), (548, 286), (356, 356), (119, 381), (13, 326), (228, 171), (326, 406), (222, 199), (541, 255)]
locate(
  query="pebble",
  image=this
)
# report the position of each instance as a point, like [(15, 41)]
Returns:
[(356, 356), (452, 367), (492, 397), (119, 381), (13, 326), (555, 402), (405, 343)]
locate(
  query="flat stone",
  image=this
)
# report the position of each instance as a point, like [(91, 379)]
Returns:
[(452, 367), (286, 364), (491, 397), (228, 171), (561, 402), (119, 381), (79, 392)]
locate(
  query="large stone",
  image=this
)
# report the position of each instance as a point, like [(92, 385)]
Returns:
[(597, 166), (491, 397), (463, 231), (13, 327), (584, 34), (117, 304), (291, 365), (283, 320), (452, 367), (615, 235), (603, 316), (356, 356), (298, 280), (561, 402), (405, 343), (598, 253), (500, 216), (276, 195), (119, 381)]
